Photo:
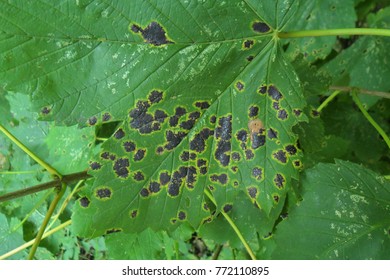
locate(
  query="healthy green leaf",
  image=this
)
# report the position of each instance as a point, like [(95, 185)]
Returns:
[(344, 215), (9, 238)]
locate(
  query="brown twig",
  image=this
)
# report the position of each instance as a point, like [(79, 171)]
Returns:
[(361, 90)]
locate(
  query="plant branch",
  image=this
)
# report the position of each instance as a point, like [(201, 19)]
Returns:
[(233, 225), (364, 91), (31, 242), (328, 100), (40, 161), (66, 179), (335, 32), (369, 118), (49, 213)]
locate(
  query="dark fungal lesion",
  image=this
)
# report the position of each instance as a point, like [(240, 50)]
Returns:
[(282, 114), (274, 93), (45, 110), (227, 207), (260, 27), (138, 176), (142, 120), (121, 167), (291, 149), (279, 181), (154, 187), (119, 134), (257, 172), (144, 192), (223, 135), (84, 202), (139, 155), (95, 165), (247, 44), (252, 192), (202, 104), (106, 117), (280, 155), (240, 86), (153, 34), (181, 215), (103, 193), (220, 178), (129, 146), (133, 213), (92, 121)]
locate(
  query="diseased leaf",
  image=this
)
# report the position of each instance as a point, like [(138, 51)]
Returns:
[(344, 215)]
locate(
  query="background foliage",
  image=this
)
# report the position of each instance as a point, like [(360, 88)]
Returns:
[(185, 112)]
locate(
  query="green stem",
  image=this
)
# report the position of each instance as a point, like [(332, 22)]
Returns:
[(362, 90), (233, 225), (370, 119), (328, 100), (49, 213), (335, 32), (17, 172), (67, 179), (31, 242), (41, 162)]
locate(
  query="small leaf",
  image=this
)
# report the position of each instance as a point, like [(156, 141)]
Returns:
[(344, 215)]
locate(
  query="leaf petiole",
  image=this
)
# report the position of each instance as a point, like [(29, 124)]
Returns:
[(328, 100), (335, 32)]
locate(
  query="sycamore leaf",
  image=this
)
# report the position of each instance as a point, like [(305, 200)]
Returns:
[(344, 215), (205, 97)]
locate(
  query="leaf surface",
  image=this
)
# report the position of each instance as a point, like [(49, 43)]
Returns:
[(344, 215)]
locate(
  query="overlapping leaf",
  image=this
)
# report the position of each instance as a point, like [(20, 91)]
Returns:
[(207, 98), (344, 215)]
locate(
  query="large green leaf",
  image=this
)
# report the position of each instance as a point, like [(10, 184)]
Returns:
[(207, 99), (344, 215)]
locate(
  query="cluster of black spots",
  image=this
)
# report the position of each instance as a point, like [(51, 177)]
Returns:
[(144, 192), (191, 177), (139, 155), (249, 154), (260, 27), (275, 105), (223, 134), (274, 93), (202, 164), (154, 187), (227, 207), (282, 114), (250, 58), (248, 44), (258, 140), (315, 113), (160, 150), (291, 149), (276, 198), (280, 156), (253, 111), (213, 119), (198, 143), (174, 120), (202, 104), (113, 230), (121, 167), (257, 173), (46, 110), (236, 156), (106, 117), (155, 96), (141, 120), (139, 176), (192, 156), (272, 134), (92, 121), (129, 146), (263, 89), (240, 86), (181, 215), (177, 180), (95, 165), (279, 181), (164, 178), (84, 202), (103, 193), (119, 134), (105, 155), (221, 178), (133, 214), (173, 139), (160, 116), (297, 112), (153, 34), (242, 135), (192, 117), (252, 192)]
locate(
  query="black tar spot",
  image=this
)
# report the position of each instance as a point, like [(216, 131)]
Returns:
[(248, 44), (185, 156), (221, 152), (103, 193), (144, 192), (263, 89), (139, 176), (315, 113), (280, 156), (272, 134), (274, 93), (119, 133), (279, 181), (121, 167), (187, 125), (202, 104), (253, 111), (276, 198), (164, 178), (201, 162), (258, 140), (224, 130), (181, 215), (239, 86), (249, 154), (282, 114), (250, 58), (105, 155), (203, 170), (297, 112), (297, 163), (154, 187), (291, 149), (155, 96), (174, 139), (213, 119), (236, 156), (154, 34), (260, 27), (160, 116), (92, 120), (135, 28), (95, 165), (194, 115), (45, 110), (257, 173), (129, 146), (139, 155), (252, 191), (222, 178), (106, 117), (227, 207), (159, 150), (275, 105), (133, 214), (84, 202), (242, 135)]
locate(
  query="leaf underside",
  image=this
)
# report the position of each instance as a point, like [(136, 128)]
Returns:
[(202, 90)]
